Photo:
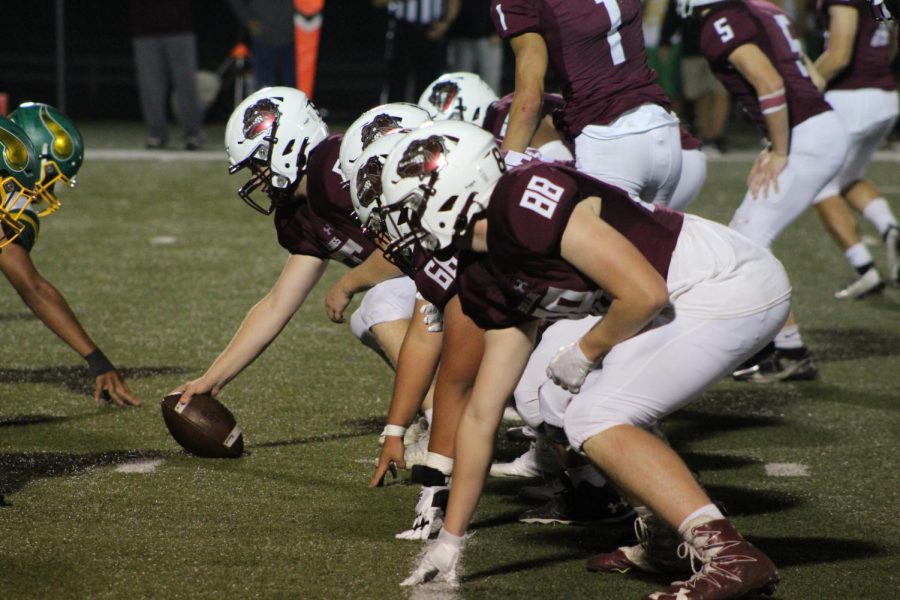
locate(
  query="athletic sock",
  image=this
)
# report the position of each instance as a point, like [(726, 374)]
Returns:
[(704, 514), (859, 257), (878, 213), (789, 338), (439, 462)]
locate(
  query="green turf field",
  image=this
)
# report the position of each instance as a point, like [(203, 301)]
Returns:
[(161, 260)]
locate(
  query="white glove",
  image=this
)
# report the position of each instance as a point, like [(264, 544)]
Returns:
[(433, 317), (569, 368), (439, 562), (429, 513)]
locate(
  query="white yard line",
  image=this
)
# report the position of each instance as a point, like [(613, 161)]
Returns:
[(787, 470), (140, 466)]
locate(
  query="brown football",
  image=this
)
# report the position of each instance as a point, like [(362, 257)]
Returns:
[(204, 426)]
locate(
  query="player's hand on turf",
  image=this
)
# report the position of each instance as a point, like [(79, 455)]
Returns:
[(439, 562), (391, 457), (433, 317), (111, 387), (569, 368), (336, 301), (197, 386), (764, 173)]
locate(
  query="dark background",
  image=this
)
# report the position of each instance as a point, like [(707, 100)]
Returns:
[(100, 66)]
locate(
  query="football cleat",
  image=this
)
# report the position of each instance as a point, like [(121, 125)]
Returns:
[(430, 511), (538, 461), (511, 414), (551, 488), (868, 283), (730, 567), (778, 366), (655, 552), (581, 505), (521, 434), (892, 249)]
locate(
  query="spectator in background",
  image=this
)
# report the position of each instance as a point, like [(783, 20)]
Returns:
[(416, 47), (474, 46), (668, 66), (165, 54), (271, 25), (710, 101)]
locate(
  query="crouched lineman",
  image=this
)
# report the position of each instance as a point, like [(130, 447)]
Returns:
[(41, 148), (278, 136)]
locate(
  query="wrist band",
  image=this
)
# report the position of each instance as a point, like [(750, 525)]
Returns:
[(98, 364), (771, 103), (394, 430)]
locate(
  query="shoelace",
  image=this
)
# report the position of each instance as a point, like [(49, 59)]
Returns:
[(708, 560)]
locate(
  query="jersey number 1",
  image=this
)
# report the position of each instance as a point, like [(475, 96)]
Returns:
[(614, 38)]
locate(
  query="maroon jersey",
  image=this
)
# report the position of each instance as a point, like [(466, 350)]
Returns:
[(870, 65), (688, 141), (323, 225), (729, 25), (435, 278), (597, 51), (524, 277)]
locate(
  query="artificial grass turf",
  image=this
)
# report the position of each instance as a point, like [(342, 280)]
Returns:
[(294, 518)]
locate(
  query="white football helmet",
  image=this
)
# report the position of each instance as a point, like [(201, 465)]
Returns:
[(686, 7), (462, 96), (374, 123), (273, 132), (438, 178)]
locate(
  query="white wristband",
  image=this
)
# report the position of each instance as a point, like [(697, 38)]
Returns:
[(394, 430)]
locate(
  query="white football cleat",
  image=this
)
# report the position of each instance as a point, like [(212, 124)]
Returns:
[(429, 513), (869, 282), (538, 461)]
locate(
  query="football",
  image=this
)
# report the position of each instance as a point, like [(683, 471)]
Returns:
[(204, 426)]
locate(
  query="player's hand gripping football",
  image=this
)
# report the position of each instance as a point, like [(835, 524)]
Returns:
[(764, 173), (391, 457), (197, 386), (439, 562), (111, 387), (569, 368)]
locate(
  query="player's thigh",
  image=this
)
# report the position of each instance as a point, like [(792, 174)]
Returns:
[(659, 371), (693, 176)]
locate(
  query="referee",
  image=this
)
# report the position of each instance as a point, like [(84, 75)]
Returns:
[(415, 46)]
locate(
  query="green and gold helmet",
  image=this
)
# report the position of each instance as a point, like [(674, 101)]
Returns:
[(18, 178), (59, 147)]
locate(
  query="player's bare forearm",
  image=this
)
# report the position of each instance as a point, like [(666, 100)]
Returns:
[(43, 299), (506, 353), (525, 111), (267, 318), (369, 273), (842, 28), (417, 362)]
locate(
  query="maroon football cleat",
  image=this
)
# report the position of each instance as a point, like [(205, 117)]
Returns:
[(655, 552), (731, 567)]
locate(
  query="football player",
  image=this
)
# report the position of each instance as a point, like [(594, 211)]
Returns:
[(278, 136), (856, 65), (59, 153), (618, 116), (684, 300), (752, 49)]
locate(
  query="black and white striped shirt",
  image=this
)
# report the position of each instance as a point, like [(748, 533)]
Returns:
[(422, 12)]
